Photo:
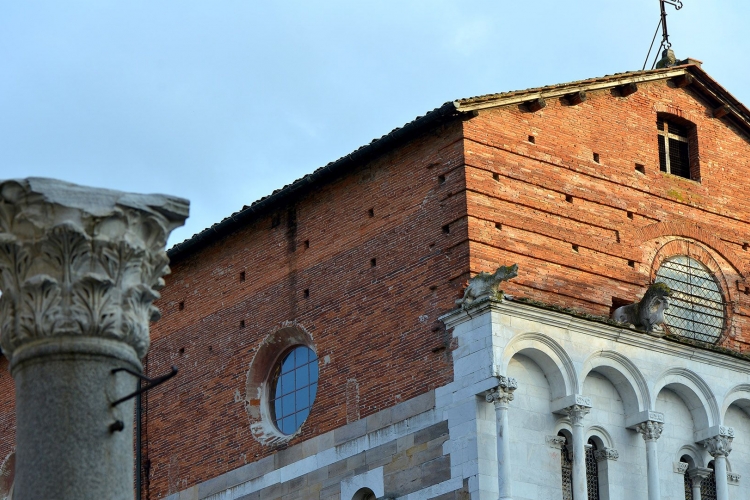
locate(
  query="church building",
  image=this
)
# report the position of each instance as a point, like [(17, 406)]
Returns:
[(532, 295)]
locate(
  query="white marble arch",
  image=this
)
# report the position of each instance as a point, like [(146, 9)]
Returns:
[(693, 452), (557, 366), (694, 392), (629, 382), (739, 395), (600, 435)]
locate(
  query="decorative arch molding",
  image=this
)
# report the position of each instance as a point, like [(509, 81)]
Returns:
[(739, 396), (692, 451), (686, 229), (630, 383), (600, 434), (557, 366), (694, 392)]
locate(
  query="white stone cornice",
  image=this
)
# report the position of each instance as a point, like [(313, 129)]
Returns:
[(562, 405), (79, 262), (632, 421)]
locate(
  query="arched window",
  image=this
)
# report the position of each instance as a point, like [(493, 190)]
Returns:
[(687, 481), (696, 308), (677, 147), (293, 389), (566, 464), (708, 485), (364, 494), (592, 471)]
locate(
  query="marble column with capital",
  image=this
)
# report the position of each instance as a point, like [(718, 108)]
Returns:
[(696, 476), (501, 396), (79, 271), (719, 447), (651, 431), (576, 413)]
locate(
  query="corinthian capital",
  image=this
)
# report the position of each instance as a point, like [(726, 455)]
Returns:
[(576, 413), (81, 262), (718, 446), (650, 430), (503, 393)]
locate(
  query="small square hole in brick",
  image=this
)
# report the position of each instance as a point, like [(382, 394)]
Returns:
[(498, 226), (575, 248), (373, 262), (242, 323), (242, 276), (447, 228), (569, 198), (630, 215), (640, 168), (532, 139), (182, 350), (181, 306), (745, 246), (631, 263), (496, 177), (441, 179), (306, 293), (596, 157), (371, 212), (307, 244)]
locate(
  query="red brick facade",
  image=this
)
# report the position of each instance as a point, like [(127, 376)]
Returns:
[(367, 262)]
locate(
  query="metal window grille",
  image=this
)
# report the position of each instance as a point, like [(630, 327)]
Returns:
[(696, 308), (688, 484), (674, 149), (567, 471), (708, 485), (295, 384), (592, 472)]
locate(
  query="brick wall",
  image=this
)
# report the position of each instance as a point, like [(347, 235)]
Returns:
[(7, 411), (531, 203), (375, 327)]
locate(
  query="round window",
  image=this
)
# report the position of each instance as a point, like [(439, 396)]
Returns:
[(696, 308), (293, 389)]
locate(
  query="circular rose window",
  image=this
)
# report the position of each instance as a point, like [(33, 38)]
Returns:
[(696, 308), (293, 388)]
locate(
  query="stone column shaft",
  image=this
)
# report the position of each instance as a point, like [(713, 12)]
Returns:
[(79, 271), (576, 414), (697, 475), (651, 431), (501, 397)]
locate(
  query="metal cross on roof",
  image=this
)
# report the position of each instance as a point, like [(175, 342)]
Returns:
[(665, 43)]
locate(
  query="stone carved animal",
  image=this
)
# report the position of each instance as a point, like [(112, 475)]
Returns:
[(485, 284), (649, 311)]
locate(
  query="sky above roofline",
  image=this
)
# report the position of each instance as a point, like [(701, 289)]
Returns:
[(223, 102)]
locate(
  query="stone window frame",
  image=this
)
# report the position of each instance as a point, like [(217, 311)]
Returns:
[(259, 380), (691, 138), (695, 250)]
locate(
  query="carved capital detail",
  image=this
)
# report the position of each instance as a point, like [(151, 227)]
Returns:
[(576, 412), (733, 477), (502, 395), (719, 446), (606, 454), (680, 467), (650, 430), (697, 475), (555, 441), (78, 261)]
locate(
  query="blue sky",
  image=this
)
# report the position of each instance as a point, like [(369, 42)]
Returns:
[(222, 102)]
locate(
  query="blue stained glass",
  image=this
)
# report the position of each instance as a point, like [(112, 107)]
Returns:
[(287, 383), (302, 398), (287, 405)]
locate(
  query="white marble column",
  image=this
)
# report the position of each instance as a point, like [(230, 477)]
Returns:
[(576, 413), (79, 271), (719, 447), (651, 431), (696, 476), (501, 396)]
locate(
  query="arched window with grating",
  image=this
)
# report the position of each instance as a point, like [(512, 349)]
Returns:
[(592, 471), (696, 308), (687, 481), (566, 464), (708, 485)]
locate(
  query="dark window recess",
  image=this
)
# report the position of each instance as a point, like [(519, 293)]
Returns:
[(618, 302), (708, 485), (242, 323), (630, 215), (674, 148), (181, 306), (575, 248), (441, 179), (182, 350), (745, 246), (496, 177), (687, 482), (371, 212), (566, 464), (447, 228), (631, 263), (498, 226), (569, 198), (373, 262), (242, 276), (307, 292), (307, 244), (592, 471), (596, 157)]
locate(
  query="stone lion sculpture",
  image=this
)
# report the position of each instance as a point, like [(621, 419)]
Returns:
[(649, 311), (485, 284)]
